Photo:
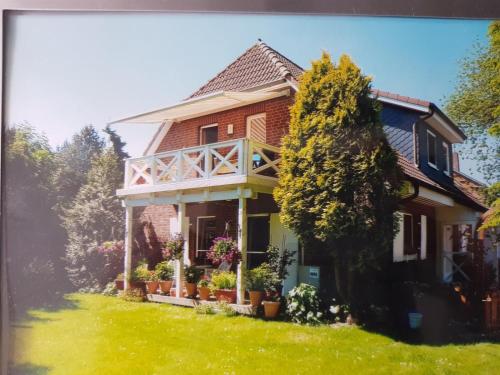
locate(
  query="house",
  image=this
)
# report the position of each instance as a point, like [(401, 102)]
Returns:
[(212, 165)]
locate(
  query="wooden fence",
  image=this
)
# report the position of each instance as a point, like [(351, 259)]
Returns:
[(492, 311)]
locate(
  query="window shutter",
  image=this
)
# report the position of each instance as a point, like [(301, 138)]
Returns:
[(398, 243), (256, 128), (423, 237)]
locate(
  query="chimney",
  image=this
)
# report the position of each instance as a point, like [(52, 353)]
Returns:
[(456, 162)]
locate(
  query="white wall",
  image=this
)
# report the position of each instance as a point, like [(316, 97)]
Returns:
[(284, 238)]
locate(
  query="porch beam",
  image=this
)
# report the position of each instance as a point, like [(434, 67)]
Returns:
[(128, 246), (205, 196), (179, 264), (242, 248)]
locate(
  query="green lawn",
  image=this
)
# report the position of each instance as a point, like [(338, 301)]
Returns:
[(105, 335)]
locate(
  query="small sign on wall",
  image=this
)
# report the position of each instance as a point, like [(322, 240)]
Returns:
[(314, 272), (230, 129)]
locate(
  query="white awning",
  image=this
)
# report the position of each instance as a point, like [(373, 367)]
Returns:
[(203, 105)]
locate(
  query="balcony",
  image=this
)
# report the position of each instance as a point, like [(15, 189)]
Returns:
[(235, 162)]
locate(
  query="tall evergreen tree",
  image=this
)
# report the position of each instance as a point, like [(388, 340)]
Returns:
[(73, 163), (339, 180), (117, 143), (94, 216)]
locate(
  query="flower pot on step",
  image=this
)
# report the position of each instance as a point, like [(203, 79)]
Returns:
[(165, 286), (256, 297), (191, 290), (227, 295), (271, 309), (152, 286), (204, 293)]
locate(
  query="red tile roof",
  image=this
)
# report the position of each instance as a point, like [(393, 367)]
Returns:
[(257, 66), (401, 98)]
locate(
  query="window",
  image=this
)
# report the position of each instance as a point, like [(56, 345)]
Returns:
[(206, 231), (431, 149), (446, 153), (257, 240), (256, 127), (408, 248), (209, 134)]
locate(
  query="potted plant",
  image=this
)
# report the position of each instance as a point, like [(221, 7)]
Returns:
[(272, 306), (152, 283), (224, 286), (192, 275), (279, 261), (165, 273), (139, 276), (204, 289), (224, 249), (119, 281), (258, 280), (174, 247)]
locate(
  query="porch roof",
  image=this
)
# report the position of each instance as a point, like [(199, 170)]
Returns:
[(202, 105)]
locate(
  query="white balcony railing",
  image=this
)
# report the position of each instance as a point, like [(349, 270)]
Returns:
[(216, 160)]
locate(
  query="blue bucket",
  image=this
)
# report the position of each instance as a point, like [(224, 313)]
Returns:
[(415, 320)]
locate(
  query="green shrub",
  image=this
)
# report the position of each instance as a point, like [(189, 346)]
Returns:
[(133, 295), (141, 273), (303, 305), (225, 309), (110, 289), (261, 278), (224, 280), (165, 271), (192, 274), (204, 309), (203, 283)]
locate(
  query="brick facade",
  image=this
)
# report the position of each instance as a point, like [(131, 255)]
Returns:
[(187, 133)]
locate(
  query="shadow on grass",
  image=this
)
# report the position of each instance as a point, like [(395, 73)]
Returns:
[(23, 310), (27, 369)]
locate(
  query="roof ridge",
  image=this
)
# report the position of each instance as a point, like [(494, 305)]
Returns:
[(273, 56), (221, 72)]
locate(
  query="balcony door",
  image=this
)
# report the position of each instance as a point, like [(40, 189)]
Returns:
[(208, 134)]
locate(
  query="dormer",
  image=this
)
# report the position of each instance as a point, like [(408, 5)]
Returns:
[(421, 132)]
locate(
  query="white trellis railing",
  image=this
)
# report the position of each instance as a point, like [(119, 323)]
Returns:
[(222, 159)]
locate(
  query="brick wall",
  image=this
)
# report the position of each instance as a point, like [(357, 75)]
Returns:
[(187, 133)]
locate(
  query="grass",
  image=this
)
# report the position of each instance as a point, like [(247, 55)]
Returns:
[(106, 335)]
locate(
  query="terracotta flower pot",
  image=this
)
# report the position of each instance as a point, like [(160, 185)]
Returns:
[(172, 292), (204, 293), (165, 286), (256, 297), (228, 295), (119, 284), (152, 286), (191, 290), (271, 309)]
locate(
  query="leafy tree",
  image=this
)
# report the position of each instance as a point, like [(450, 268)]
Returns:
[(73, 163), (475, 104), (93, 217), (34, 238), (339, 180)]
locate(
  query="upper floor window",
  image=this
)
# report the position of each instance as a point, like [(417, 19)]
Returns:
[(431, 149), (446, 153), (209, 134), (256, 127)]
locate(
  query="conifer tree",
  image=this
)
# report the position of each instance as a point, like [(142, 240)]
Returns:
[(339, 179), (94, 216)]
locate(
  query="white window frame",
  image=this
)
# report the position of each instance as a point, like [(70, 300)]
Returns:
[(429, 133), (447, 158), (409, 256), (252, 117), (205, 127), (198, 250), (398, 253)]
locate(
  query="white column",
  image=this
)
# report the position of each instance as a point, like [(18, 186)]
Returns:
[(242, 248), (179, 264), (128, 246)]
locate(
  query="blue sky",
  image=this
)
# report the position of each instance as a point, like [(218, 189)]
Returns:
[(68, 70)]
